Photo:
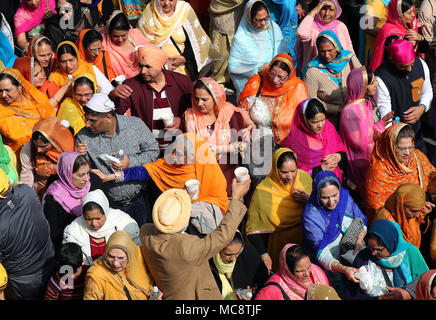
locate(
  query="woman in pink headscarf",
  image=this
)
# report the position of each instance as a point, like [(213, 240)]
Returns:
[(28, 20), (315, 140), (401, 23), (219, 122), (295, 274), (63, 199), (323, 17), (358, 127)]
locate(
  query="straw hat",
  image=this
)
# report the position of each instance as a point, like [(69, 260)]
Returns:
[(172, 210)]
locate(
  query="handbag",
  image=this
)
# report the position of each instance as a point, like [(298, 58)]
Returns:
[(348, 241)]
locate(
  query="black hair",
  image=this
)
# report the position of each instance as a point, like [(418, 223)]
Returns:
[(80, 162), (331, 183), (83, 81), (284, 157), (370, 75), (237, 239), (92, 206), (201, 85), (70, 254), (379, 241), (66, 48), (39, 136), (14, 81), (406, 5), (313, 108), (119, 22), (322, 39), (87, 110), (281, 65), (433, 284), (90, 37), (294, 254), (256, 7), (405, 132)]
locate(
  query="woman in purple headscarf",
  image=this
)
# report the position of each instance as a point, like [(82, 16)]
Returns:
[(63, 200), (323, 17), (358, 127)]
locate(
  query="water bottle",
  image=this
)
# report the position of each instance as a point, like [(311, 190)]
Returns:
[(396, 119), (155, 293), (244, 293)]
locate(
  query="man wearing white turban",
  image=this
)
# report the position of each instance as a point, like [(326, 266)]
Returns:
[(107, 133)]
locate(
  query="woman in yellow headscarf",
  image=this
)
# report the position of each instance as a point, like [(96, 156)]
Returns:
[(274, 215), (21, 106), (174, 26), (71, 109), (120, 274)]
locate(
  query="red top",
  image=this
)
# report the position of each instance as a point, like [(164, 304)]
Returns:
[(97, 249)]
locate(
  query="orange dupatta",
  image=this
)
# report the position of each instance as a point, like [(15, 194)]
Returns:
[(62, 140), (106, 70), (413, 196), (213, 184), (386, 173), (224, 110), (287, 96), (18, 118), (60, 78)]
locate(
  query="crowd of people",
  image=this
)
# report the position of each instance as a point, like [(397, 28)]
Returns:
[(217, 150)]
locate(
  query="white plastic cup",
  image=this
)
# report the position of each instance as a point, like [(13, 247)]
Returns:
[(120, 79), (193, 185), (241, 173), (168, 119)]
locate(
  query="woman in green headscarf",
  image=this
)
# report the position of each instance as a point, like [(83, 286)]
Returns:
[(8, 162)]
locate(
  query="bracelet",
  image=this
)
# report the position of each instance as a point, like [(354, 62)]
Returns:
[(119, 176)]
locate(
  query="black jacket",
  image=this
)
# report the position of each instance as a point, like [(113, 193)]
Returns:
[(249, 270)]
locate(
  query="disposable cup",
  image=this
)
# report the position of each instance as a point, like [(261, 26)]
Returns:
[(193, 185)]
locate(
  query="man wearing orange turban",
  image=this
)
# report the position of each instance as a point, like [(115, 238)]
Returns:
[(158, 93)]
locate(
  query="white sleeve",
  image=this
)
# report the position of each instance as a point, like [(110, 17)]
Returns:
[(382, 98), (427, 90), (102, 81)]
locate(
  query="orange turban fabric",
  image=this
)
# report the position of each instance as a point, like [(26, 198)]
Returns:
[(152, 55)]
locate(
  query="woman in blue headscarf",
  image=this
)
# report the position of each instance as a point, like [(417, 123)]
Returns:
[(284, 13), (256, 42), (7, 55), (326, 75), (389, 268), (329, 213)]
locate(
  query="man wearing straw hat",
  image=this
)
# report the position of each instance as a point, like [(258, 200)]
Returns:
[(179, 261)]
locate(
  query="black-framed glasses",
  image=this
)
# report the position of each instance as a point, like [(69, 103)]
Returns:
[(377, 250), (262, 20)]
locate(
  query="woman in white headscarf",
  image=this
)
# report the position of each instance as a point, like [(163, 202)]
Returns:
[(98, 221)]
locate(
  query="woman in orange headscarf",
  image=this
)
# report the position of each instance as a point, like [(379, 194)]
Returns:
[(407, 207), (90, 44), (188, 157), (39, 157), (395, 161), (32, 71), (20, 108), (71, 65), (281, 92), (219, 122)]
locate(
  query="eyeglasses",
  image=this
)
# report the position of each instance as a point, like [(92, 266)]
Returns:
[(377, 250), (274, 75), (404, 149), (262, 20), (120, 259), (86, 95)]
